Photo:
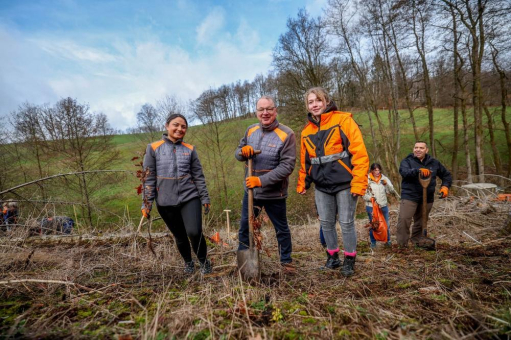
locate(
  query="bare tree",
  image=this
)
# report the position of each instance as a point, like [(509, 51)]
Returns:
[(167, 106), (150, 121), (83, 141), (7, 159), (420, 15), (500, 51), (209, 110), (371, 73), (302, 59), (471, 15), (29, 131)]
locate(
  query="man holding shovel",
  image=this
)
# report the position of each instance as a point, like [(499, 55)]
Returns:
[(417, 169), (270, 173)]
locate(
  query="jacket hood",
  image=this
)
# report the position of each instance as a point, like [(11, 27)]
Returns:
[(331, 106)]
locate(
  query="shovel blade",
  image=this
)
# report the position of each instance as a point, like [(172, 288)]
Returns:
[(248, 265), (426, 243)]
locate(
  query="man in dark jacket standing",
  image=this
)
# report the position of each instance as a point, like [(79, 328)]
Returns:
[(271, 170), (418, 162)]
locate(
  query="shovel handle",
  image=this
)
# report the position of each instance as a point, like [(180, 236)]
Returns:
[(425, 183), (251, 205)]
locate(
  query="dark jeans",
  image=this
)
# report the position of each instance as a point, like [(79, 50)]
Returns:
[(276, 210), (385, 211), (185, 222), (407, 211)]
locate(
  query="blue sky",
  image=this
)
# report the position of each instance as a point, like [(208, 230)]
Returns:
[(117, 55)]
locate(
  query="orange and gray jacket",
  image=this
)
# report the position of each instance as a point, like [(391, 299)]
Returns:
[(275, 162), (175, 173), (333, 154)]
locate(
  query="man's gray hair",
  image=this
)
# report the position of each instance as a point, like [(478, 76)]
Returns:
[(270, 98)]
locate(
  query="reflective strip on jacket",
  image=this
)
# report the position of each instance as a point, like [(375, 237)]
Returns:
[(334, 133), (175, 173)]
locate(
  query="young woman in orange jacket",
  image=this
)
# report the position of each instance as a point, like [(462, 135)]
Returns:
[(334, 157)]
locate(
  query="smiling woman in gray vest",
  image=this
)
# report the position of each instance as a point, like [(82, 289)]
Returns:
[(176, 181)]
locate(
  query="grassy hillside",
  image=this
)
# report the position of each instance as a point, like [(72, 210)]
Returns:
[(116, 200)]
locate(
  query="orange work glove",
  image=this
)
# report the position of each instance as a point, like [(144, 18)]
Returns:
[(247, 151), (207, 208), (444, 192), (425, 172), (253, 181), (146, 212)]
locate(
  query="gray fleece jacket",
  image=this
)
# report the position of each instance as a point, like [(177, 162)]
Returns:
[(276, 161)]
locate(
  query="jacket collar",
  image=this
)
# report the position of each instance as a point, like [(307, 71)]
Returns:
[(165, 137), (426, 159), (270, 127), (376, 180)]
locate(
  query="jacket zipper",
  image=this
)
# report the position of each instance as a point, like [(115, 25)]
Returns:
[(174, 156)]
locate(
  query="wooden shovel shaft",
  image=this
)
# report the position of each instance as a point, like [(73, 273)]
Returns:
[(425, 183), (250, 210), (251, 205)]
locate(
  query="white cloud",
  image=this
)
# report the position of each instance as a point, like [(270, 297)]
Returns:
[(118, 82), (210, 26), (73, 51), (247, 36)]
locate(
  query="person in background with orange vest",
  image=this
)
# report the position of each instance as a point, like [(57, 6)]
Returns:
[(334, 157), (176, 182), (379, 186)]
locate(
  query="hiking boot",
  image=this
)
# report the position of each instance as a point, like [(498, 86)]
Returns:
[(348, 267), (373, 245), (288, 268), (332, 261), (189, 267), (206, 268)]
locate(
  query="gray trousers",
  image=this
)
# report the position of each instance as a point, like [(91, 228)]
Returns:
[(407, 211), (344, 204)]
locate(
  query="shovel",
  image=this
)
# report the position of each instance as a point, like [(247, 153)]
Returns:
[(248, 259), (425, 242)]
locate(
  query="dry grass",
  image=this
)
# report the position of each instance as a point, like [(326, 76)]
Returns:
[(114, 287)]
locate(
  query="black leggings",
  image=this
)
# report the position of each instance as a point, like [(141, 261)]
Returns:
[(185, 222)]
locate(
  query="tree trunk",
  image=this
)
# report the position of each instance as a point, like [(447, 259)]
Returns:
[(503, 107), (421, 49), (456, 95), (466, 140), (493, 144)]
